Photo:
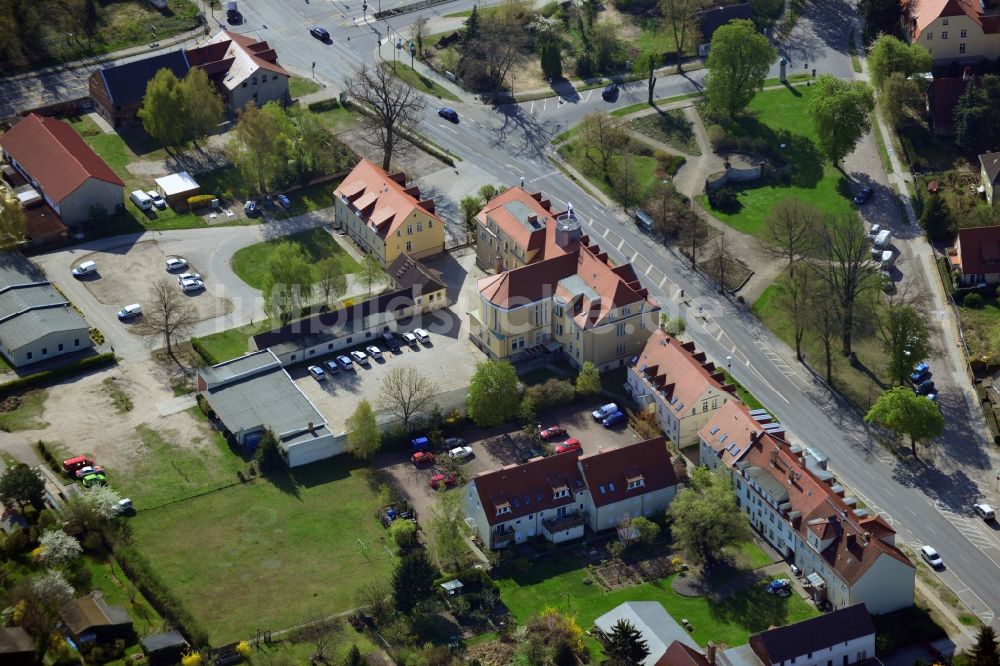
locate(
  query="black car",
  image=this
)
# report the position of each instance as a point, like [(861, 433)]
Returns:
[(926, 387), (864, 195), (610, 92), (448, 114), (390, 341), (319, 33), (233, 17)]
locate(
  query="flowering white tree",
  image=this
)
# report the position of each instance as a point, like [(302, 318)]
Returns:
[(58, 547), (103, 500), (52, 589)]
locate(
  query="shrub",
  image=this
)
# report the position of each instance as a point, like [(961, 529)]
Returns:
[(717, 136), (207, 356), (972, 300), (200, 201), (724, 199), (324, 105), (404, 533), (552, 393)]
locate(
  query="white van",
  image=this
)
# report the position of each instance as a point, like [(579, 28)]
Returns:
[(142, 200), (886, 259), (86, 268), (881, 241), (985, 511), (130, 312)]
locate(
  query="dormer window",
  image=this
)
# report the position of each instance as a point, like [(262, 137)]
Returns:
[(562, 492), (501, 510), (639, 483)]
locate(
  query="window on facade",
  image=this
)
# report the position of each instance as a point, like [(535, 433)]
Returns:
[(253, 81), (930, 36), (962, 34), (409, 246), (420, 226), (244, 84), (944, 22), (611, 487), (312, 351), (620, 329), (409, 230), (638, 483), (627, 310), (45, 351), (559, 329), (76, 342), (349, 340), (430, 224), (620, 349), (602, 489), (60, 346), (502, 510), (944, 34), (292, 358), (961, 47), (29, 355)]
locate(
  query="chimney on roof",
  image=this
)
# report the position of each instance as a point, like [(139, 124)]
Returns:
[(710, 653), (398, 177), (865, 538), (850, 540), (427, 204)]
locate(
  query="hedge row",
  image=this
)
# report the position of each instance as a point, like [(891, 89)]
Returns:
[(49, 376), (206, 355), (138, 569), (49, 459), (200, 200)]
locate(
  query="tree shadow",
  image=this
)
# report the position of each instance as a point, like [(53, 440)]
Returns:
[(753, 609), (798, 152)]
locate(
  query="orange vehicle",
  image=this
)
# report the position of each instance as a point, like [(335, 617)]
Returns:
[(76, 463)]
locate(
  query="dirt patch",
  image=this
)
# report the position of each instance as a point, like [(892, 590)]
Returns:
[(125, 277), (10, 404), (418, 163), (83, 416)]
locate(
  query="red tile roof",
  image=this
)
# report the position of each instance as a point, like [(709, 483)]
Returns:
[(55, 156), (925, 12), (731, 426), (506, 210), (679, 654), (528, 283), (677, 370), (528, 488), (382, 199), (979, 250), (613, 469)]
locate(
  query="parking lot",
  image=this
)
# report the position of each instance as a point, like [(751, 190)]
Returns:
[(494, 448), (124, 275)]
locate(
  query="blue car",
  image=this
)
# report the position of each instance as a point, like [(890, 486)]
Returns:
[(614, 419), (283, 201), (926, 387), (920, 376), (448, 114), (921, 367)]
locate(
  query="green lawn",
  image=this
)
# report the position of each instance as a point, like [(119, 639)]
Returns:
[(334, 117), (420, 82), (883, 154), (28, 415), (669, 127), (270, 553), (780, 117), (558, 582), (229, 344), (118, 590), (251, 263), (297, 86), (644, 174)]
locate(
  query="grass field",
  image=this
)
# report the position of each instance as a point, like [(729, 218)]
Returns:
[(644, 167), (232, 342), (558, 583), (780, 117), (27, 415), (269, 554), (251, 263), (298, 86), (420, 82), (669, 127)]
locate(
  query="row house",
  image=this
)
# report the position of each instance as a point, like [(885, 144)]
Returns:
[(679, 384), (560, 496), (847, 555), (573, 301)]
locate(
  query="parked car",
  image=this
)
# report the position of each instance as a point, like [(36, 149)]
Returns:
[(391, 341), (188, 276), (374, 352), (781, 587), (250, 208), (864, 195), (422, 458), (332, 366), (448, 480), (410, 339), (460, 453), (158, 201), (85, 269), (319, 33), (448, 114), (452, 442), (613, 420), (345, 362), (283, 201), (604, 412), (73, 464), (925, 387), (420, 443), (985, 511), (610, 92), (317, 373), (92, 480), (130, 312), (124, 506), (176, 264), (422, 335), (931, 557), (918, 377), (552, 431), (359, 357), (233, 17), (88, 470), (873, 232), (568, 446), (192, 285)]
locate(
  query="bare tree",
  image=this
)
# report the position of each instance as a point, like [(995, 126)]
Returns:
[(323, 633), (330, 280), (603, 135), (625, 532), (680, 15), (371, 272), (405, 392), (793, 300), (723, 257), (419, 31), (496, 46), (691, 229), (391, 106), (167, 314), (790, 230), (825, 321), (848, 270), (374, 596)]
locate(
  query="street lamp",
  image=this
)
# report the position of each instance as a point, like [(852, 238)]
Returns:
[(729, 362), (413, 50)]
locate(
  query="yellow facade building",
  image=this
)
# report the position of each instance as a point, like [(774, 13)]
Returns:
[(955, 30)]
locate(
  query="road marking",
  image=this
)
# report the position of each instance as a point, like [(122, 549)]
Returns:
[(589, 93), (532, 108), (445, 127)]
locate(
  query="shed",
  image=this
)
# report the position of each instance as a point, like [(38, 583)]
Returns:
[(165, 648), (453, 587), (177, 187), (90, 619), (16, 647)]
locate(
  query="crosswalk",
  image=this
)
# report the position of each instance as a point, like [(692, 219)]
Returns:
[(969, 527)]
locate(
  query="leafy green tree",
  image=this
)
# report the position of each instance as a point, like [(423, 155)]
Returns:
[(899, 95), (268, 454), (985, 652), (889, 55), (738, 62), (413, 581), (371, 272), (551, 59), (159, 112), (488, 191), (288, 282), (625, 645), (588, 382), (470, 205), (447, 529), (647, 530), (704, 517), (255, 149), (354, 657), (976, 126), (840, 110), (330, 279), (936, 219), (12, 220), (403, 532), (201, 108), (906, 413), (23, 485), (363, 435), (766, 12), (905, 338), (471, 25), (494, 395), (606, 46)]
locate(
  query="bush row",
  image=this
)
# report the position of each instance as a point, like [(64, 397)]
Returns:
[(206, 355), (49, 376), (138, 569), (49, 458), (551, 393)]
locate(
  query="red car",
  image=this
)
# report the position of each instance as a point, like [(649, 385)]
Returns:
[(422, 457), (448, 480), (553, 431), (568, 445), (76, 463)]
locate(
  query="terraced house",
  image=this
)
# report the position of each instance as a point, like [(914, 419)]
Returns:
[(566, 297), (385, 217), (847, 555), (955, 30)]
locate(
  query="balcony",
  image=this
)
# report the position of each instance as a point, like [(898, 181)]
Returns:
[(565, 522), (501, 539)]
